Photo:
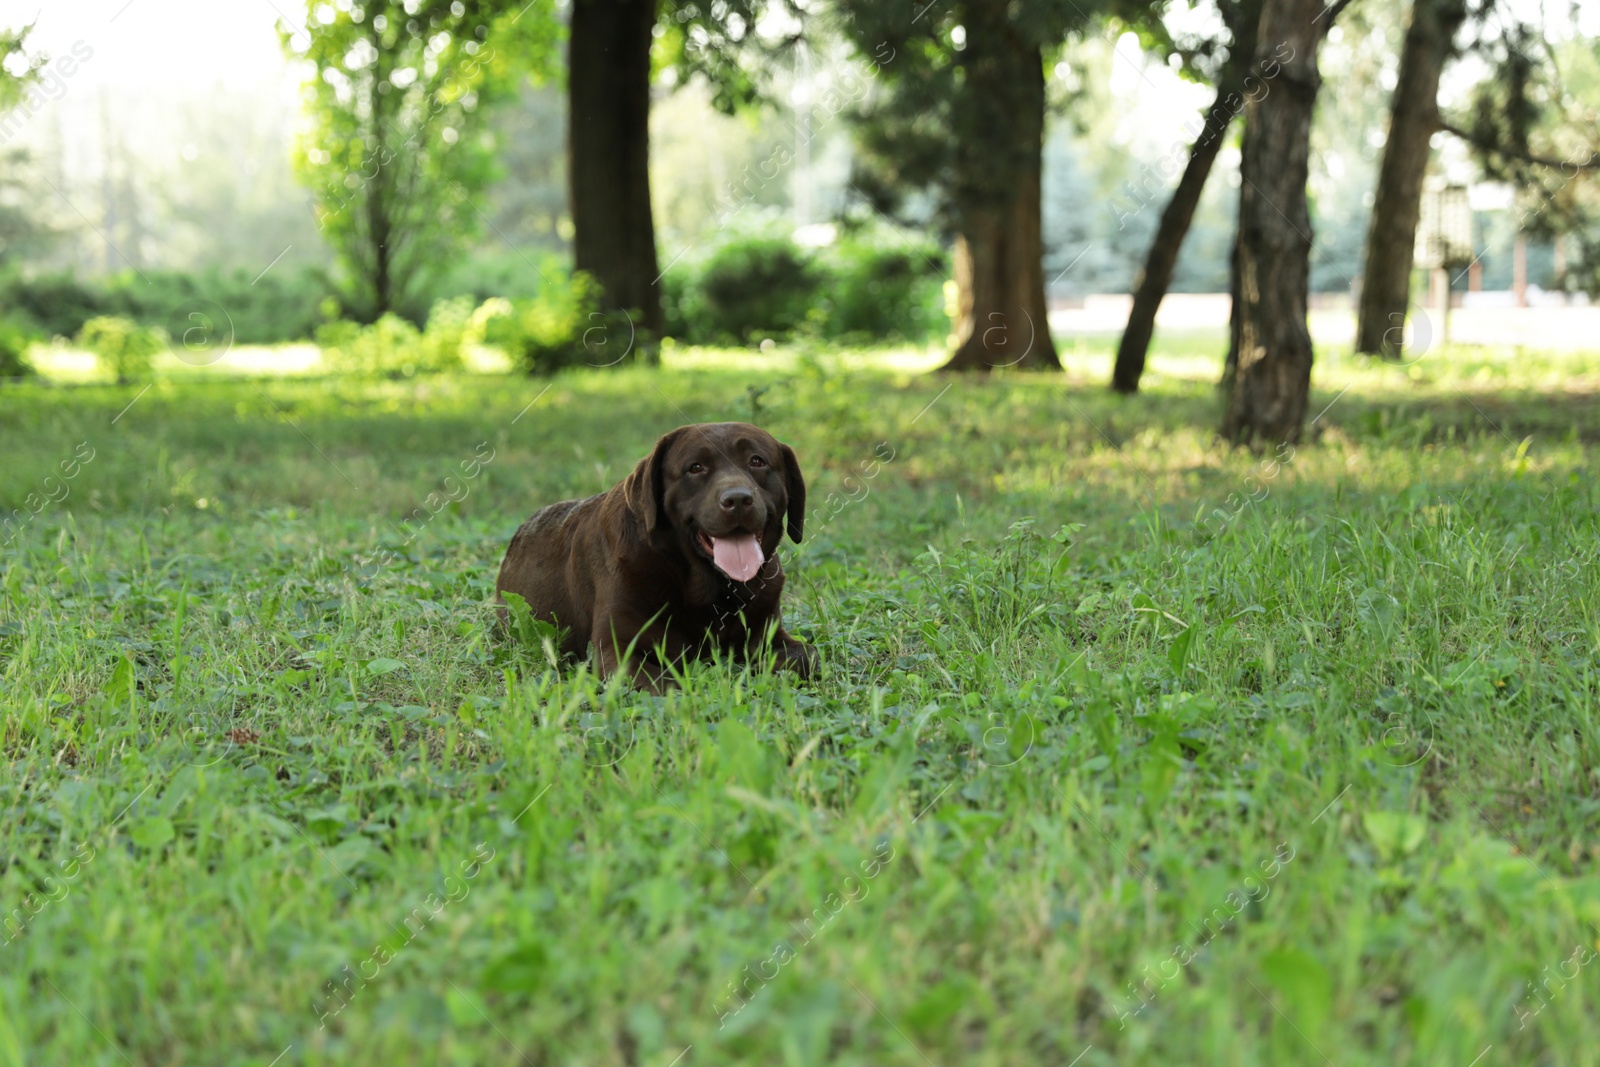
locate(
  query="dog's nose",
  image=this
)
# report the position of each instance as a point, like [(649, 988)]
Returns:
[(736, 499)]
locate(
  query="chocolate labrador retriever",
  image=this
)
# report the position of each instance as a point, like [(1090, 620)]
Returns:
[(676, 561)]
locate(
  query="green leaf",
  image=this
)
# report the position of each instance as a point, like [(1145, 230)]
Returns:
[(1394, 833), (349, 852), (1377, 609), (1249, 609), (1065, 534), (1163, 760), (1102, 718), (524, 969), (1304, 983), (517, 608), (381, 666), (153, 832), (1178, 652), (124, 683), (1017, 737), (1521, 460), (529, 631)]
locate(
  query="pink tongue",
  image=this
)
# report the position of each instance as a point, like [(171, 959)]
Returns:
[(737, 557)]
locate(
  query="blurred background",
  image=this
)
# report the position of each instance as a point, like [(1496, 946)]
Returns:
[(167, 155)]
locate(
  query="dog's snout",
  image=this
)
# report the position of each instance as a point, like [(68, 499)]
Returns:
[(736, 498)]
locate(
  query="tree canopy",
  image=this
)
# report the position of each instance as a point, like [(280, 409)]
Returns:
[(397, 151)]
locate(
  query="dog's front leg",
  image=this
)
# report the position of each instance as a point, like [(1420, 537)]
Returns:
[(637, 648), (788, 653), (794, 654)]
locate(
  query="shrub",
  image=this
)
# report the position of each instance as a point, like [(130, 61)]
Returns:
[(501, 273), (874, 285), (57, 304), (450, 327), (563, 327), (15, 339), (393, 348), (388, 348), (878, 290), (679, 303), (756, 286), (262, 310), (123, 346)]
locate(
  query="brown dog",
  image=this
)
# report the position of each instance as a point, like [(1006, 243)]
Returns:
[(677, 560)]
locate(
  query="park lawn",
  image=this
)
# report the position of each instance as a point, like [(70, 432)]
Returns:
[(1128, 749)]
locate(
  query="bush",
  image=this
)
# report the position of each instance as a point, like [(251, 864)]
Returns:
[(265, 309), (276, 307), (502, 273), (15, 339), (878, 290), (756, 287), (388, 348), (58, 305), (123, 346), (874, 285), (262, 310), (445, 335), (393, 348), (563, 327)]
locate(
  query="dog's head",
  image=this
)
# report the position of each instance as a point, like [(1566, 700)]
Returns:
[(724, 492)]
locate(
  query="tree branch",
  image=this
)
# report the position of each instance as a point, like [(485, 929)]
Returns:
[(1591, 163)]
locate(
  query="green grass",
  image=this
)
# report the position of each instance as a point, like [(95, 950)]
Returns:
[(1304, 748)]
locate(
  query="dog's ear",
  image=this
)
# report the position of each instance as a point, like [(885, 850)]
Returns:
[(797, 493), (646, 487)]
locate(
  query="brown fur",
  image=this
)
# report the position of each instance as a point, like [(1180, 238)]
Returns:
[(624, 570)]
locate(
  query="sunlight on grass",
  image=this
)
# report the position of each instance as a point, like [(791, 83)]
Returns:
[(64, 363)]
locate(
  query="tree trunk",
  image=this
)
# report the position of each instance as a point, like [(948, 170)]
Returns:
[(999, 268), (608, 154), (1230, 365), (1413, 118), (378, 189), (1150, 287), (1272, 376)]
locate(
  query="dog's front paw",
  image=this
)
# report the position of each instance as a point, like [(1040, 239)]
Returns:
[(801, 658)]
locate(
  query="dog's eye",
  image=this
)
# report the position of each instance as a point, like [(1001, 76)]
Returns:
[(757, 461), (696, 468)]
